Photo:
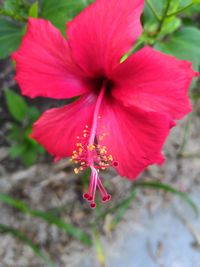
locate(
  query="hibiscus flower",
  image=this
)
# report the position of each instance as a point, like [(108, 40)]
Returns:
[(124, 112)]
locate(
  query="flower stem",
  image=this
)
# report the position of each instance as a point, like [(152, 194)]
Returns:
[(180, 10), (154, 11), (164, 15)]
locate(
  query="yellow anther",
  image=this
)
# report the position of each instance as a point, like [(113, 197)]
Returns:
[(103, 151), (76, 170), (110, 157), (91, 147), (84, 152)]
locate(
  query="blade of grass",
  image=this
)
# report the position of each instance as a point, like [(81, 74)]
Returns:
[(48, 217), (118, 210), (68, 228), (4, 229), (122, 208), (99, 248), (167, 188)]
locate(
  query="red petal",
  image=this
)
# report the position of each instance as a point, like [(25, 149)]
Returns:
[(57, 129), (133, 137), (154, 81), (44, 64), (103, 33)]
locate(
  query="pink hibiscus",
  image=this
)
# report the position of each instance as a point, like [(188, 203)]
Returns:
[(124, 111)]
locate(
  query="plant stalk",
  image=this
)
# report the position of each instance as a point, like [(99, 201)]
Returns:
[(180, 10)]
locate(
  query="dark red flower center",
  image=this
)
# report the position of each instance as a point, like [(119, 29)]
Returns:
[(99, 82)]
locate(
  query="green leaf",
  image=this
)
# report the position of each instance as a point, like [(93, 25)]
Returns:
[(193, 10), (148, 16), (29, 155), (167, 188), (16, 7), (16, 133), (59, 12), (153, 12), (33, 114), (183, 44), (187, 7), (16, 151), (48, 217), (33, 11), (170, 25), (4, 229), (10, 5), (16, 105), (10, 37), (175, 4)]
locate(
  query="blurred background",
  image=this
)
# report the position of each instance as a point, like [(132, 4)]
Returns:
[(43, 218)]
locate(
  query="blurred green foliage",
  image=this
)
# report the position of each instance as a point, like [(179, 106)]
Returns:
[(62, 12), (22, 146), (33, 10), (10, 37), (183, 44), (174, 36)]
